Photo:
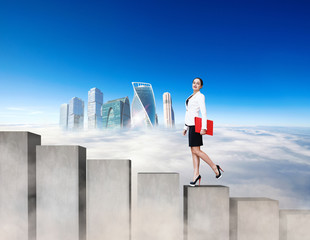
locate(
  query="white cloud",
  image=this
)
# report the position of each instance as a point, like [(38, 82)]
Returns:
[(15, 109), (35, 112), (24, 110)]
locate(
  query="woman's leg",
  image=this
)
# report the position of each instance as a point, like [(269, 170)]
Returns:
[(196, 163), (197, 151)]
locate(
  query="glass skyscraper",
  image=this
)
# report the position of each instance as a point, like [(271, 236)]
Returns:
[(95, 101), (143, 109), (116, 113), (63, 119), (168, 110), (76, 114)]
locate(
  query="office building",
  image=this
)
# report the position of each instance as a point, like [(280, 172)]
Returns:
[(95, 101), (116, 113), (63, 119), (168, 110), (76, 114), (143, 109)]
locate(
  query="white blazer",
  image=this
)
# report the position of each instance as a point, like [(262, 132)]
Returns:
[(195, 103)]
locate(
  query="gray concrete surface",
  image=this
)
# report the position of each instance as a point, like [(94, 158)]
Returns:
[(254, 218), (206, 212), (294, 224), (108, 199), (158, 206), (17, 185), (61, 193)]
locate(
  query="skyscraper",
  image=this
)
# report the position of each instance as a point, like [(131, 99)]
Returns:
[(95, 100), (143, 109), (168, 110), (76, 114), (116, 113), (63, 119)]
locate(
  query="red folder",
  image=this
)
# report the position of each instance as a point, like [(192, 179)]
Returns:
[(198, 126)]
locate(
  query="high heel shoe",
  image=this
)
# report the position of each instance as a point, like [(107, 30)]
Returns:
[(192, 184), (219, 169)]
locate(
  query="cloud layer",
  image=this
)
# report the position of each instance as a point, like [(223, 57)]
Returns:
[(258, 161)]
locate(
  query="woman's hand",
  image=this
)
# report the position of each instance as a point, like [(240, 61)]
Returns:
[(203, 132), (184, 132)]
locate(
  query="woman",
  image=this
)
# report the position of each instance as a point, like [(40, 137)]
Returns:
[(194, 103)]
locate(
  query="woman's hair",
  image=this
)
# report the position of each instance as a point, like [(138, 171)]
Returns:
[(201, 82)]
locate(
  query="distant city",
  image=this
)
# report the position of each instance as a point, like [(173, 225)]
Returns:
[(116, 113)]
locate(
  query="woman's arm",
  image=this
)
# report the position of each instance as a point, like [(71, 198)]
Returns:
[(184, 130)]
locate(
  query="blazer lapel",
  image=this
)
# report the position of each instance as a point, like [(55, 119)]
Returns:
[(186, 101), (191, 97)]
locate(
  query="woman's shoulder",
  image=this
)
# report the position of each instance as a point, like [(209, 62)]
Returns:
[(200, 95)]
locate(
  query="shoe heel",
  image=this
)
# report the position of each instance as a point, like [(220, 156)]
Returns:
[(219, 169), (199, 180)]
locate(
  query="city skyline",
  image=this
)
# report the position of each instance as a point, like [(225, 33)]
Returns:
[(253, 57), (111, 114)]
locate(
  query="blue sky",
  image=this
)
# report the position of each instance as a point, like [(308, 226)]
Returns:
[(253, 56)]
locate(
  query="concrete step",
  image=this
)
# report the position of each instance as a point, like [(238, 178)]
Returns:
[(108, 199), (158, 206), (254, 218), (294, 224), (61, 192), (206, 212), (18, 185)]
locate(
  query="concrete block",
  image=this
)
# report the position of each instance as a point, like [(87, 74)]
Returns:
[(206, 212), (18, 185), (254, 218), (158, 206), (108, 199), (294, 224), (61, 192)]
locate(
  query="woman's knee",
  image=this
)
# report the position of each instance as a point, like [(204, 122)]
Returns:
[(195, 150)]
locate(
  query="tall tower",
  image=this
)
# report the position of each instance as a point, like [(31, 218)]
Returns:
[(95, 100), (168, 110), (63, 119), (76, 114), (143, 109)]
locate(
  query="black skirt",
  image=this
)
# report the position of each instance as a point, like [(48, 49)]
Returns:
[(194, 139)]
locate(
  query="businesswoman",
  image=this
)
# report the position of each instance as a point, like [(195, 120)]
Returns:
[(194, 103)]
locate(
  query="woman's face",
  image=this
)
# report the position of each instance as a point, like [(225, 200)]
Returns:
[(196, 85)]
